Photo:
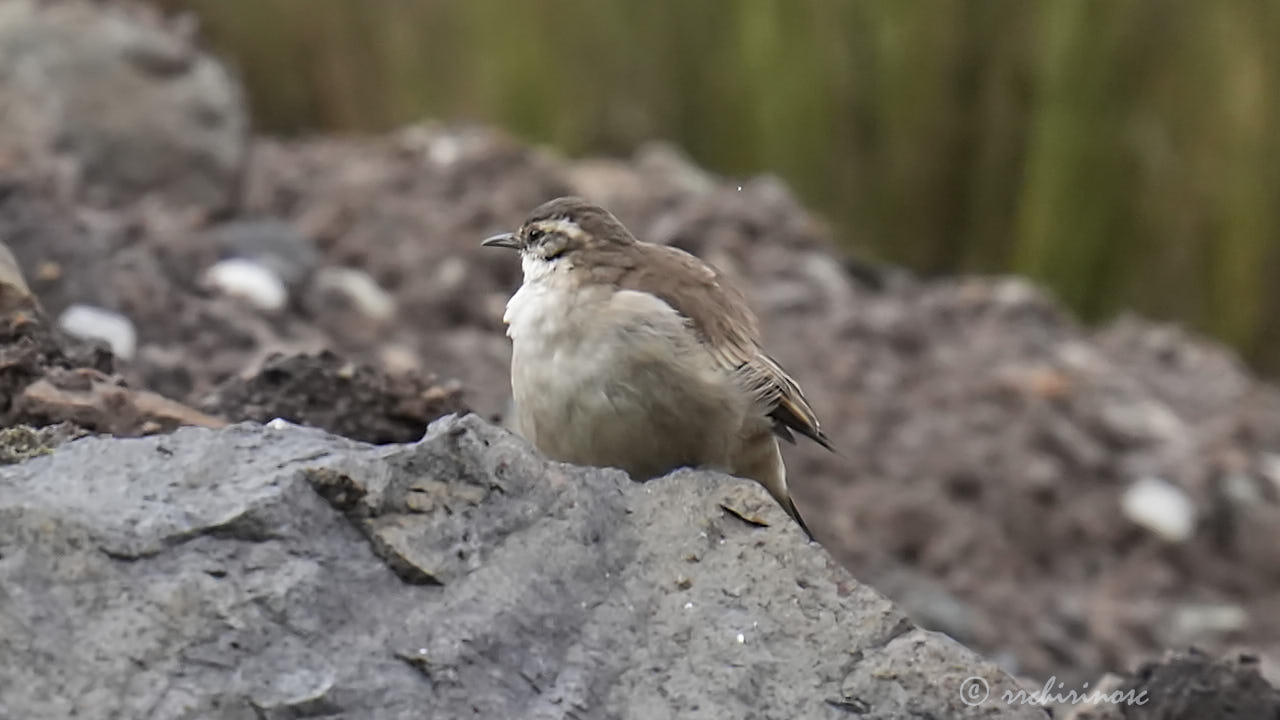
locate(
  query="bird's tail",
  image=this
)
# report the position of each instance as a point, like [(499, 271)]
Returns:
[(790, 507), (761, 460)]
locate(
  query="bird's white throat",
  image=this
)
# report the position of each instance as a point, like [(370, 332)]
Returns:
[(542, 301), (537, 269)]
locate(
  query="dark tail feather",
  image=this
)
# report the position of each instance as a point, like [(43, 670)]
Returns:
[(795, 515)]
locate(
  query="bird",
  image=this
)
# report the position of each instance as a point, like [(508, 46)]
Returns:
[(642, 357)]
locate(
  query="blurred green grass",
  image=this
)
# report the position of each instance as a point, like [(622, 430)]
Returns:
[(1124, 152)]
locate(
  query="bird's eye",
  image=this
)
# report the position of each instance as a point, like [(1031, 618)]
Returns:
[(535, 235)]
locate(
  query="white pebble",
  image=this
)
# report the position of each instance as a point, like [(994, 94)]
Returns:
[(362, 290), (444, 150), (451, 273), (88, 322), (1195, 621), (1161, 507), (741, 638), (248, 280), (1013, 291)]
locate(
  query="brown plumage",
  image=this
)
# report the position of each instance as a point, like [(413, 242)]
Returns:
[(580, 254)]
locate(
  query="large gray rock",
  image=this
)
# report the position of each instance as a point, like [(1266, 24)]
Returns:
[(279, 572), (132, 104)]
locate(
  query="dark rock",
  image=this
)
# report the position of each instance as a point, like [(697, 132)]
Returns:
[(346, 398), (1189, 685), (30, 349), (280, 572)]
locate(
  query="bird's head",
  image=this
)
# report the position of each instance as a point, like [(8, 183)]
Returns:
[(566, 227)]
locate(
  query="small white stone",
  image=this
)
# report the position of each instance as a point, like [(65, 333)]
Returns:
[(444, 150), (278, 424), (362, 290), (1197, 620), (1161, 507), (688, 606), (399, 359), (741, 638), (1144, 420), (1079, 355), (1014, 291), (248, 280), (89, 322), (451, 273)]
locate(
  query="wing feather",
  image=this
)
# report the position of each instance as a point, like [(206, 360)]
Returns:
[(720, 314)]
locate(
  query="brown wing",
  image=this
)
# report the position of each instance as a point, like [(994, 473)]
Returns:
[(720, 314)]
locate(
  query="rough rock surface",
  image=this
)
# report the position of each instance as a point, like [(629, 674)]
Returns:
[(279, 572)]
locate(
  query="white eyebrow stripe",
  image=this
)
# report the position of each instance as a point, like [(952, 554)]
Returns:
[(563, 226)]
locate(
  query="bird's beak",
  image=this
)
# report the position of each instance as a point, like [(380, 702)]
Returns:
[(505, 240)]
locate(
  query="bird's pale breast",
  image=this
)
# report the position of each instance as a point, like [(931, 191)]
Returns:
[(616, 378)]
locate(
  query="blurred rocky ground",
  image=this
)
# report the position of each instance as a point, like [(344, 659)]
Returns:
[(1069, 501)]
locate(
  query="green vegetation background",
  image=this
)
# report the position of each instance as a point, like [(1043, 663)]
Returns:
[(1124, 152)]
